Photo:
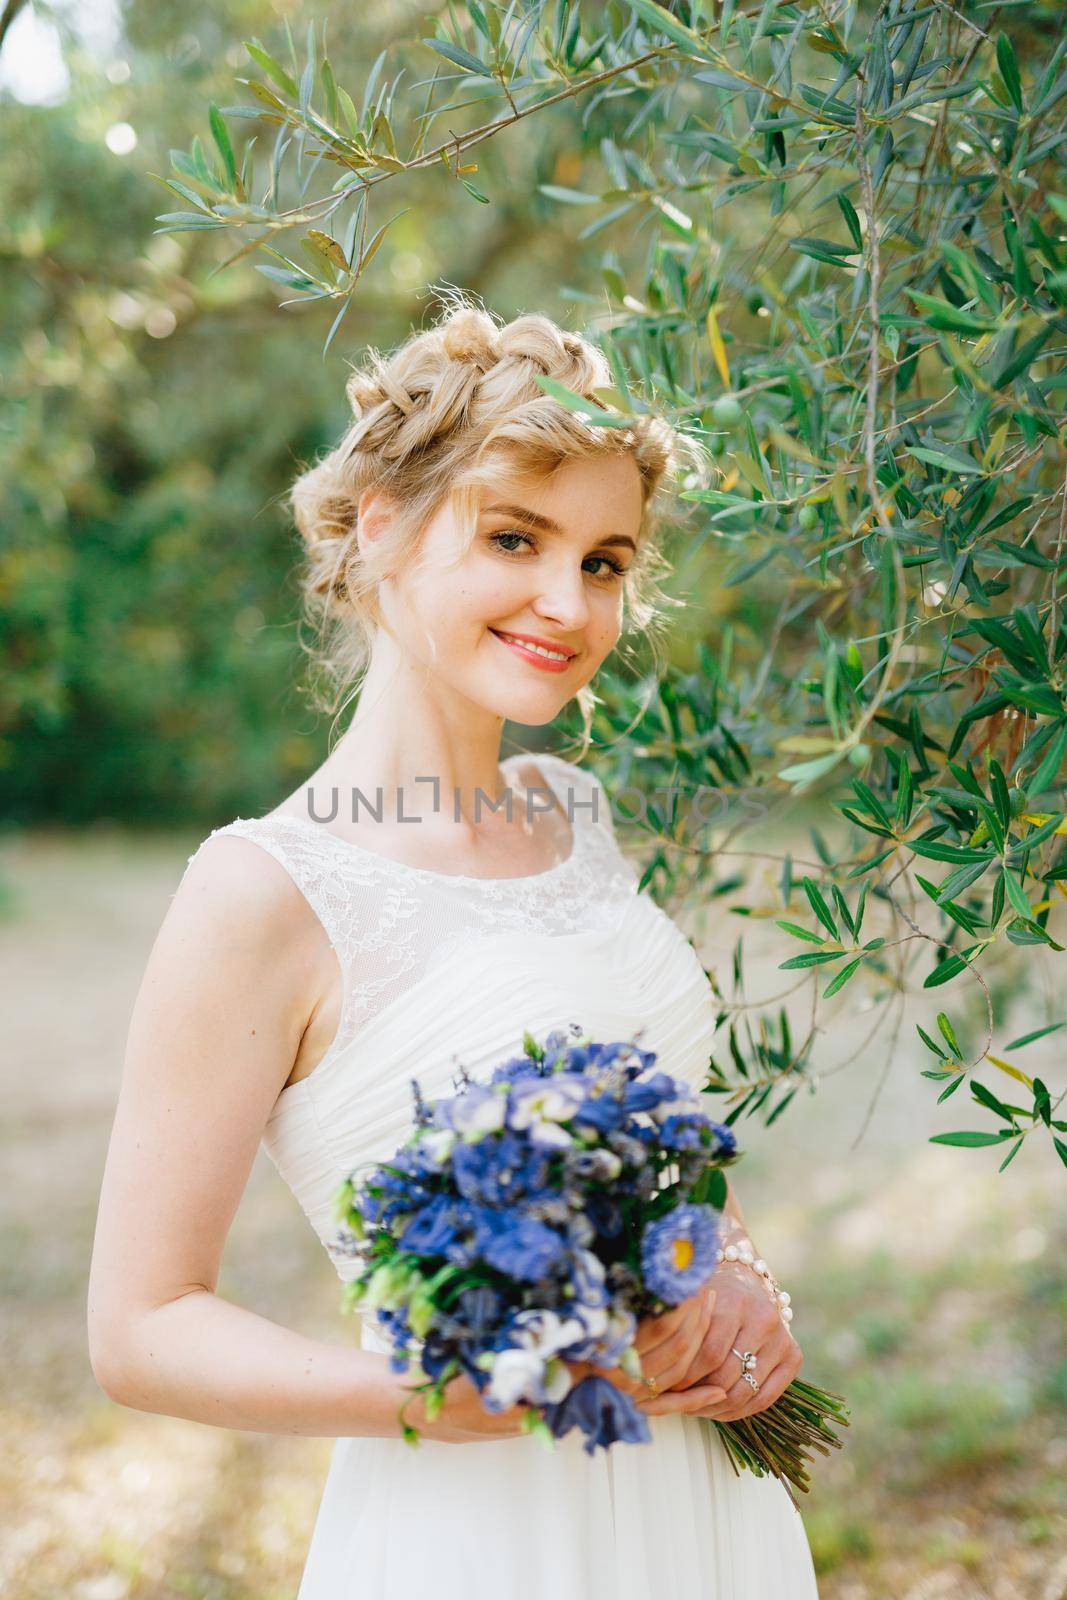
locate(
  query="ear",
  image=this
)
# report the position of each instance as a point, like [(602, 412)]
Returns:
[(373, 514)]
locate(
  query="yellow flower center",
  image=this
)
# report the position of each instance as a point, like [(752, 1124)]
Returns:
[(682, 1250)]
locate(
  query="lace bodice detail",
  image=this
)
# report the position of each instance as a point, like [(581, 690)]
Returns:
[(390, 923)]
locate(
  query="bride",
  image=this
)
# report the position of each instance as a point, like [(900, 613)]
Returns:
[(475, 551)]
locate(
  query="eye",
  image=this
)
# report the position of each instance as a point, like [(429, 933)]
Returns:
[(615, 570), (510, 533)]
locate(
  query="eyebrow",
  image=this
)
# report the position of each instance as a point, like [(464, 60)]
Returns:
[(546, 524)]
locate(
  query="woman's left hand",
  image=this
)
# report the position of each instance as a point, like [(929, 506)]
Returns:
[(745, 1317)]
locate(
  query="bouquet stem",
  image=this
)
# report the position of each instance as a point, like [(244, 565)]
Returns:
[(779, 1439)]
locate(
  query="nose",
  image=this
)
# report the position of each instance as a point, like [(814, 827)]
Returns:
[(562, 598)]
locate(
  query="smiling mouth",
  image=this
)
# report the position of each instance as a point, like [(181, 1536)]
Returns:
[(542, 653)]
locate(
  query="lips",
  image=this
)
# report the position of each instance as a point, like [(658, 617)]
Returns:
[(520, 644), (534, 638)]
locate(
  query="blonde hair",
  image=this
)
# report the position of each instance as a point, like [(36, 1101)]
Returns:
[(447, 410)]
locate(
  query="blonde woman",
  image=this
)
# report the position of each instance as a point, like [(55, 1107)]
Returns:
[(474, 552)]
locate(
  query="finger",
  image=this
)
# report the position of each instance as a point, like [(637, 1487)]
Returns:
[(769, 1347), (678, 1365), (684, 1400), (653, 1330), (615, 1375), (743, 1401), (772, 1388), (676, 1351), (714, 1361), (676, 1324)]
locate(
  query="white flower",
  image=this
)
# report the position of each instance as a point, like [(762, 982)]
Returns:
[(558, 1381), (546, 1332), (620, 1325), (594, 1320), (598, 1163), (477, 1114), (685, 1106), (545, 1101), (437, 1143), (516, 1376), (589, 1279), (550, 1134)]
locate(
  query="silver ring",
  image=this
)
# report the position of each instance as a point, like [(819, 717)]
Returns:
[(747, 1360)]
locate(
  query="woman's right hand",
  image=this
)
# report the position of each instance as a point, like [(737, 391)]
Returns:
[(463, 1418), (666, 1344)]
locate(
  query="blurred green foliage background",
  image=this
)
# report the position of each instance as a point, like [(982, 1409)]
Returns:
[(153, 415)]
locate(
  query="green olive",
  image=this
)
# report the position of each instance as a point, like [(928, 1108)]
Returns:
[(808, 517), (859, 755), (727, 411)]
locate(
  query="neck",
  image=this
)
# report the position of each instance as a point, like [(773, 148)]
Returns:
[(428, 749)]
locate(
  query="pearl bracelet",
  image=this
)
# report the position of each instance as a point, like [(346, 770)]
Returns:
[(743, 1252)]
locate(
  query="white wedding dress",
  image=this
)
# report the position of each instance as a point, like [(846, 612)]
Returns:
[(441, 970)]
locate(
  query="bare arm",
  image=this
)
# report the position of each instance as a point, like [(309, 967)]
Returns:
[(226, 996)]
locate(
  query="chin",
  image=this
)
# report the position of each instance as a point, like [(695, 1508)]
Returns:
[(532, 710), (535, 719)]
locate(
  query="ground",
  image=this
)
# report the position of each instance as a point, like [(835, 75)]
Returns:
[(929, 1290)]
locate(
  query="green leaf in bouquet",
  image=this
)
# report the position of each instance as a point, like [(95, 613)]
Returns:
[(531, 1047)]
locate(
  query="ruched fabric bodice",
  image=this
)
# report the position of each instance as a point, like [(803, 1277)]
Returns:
[(440, 971)]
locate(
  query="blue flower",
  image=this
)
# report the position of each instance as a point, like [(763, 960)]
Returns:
[(516, 1245), (604, 1112), (588, 1279), (605, 1215), (678, 1252), (517, 1068), (499, 1171), (682, 1132), (726, 1143), (603, 1412), (480, 1308), (432, 1228), (647, 1093)]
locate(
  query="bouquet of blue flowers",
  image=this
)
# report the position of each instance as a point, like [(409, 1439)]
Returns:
[(533, 1219)]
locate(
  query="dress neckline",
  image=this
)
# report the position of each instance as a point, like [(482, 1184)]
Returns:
[(320, 831)]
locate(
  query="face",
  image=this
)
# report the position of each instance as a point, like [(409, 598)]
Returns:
[(545, 568)]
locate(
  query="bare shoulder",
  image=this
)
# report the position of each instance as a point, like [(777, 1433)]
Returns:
[(237, 904), (232, 876)]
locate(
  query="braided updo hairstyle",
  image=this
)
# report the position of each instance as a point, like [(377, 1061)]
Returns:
[(446, 413)]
